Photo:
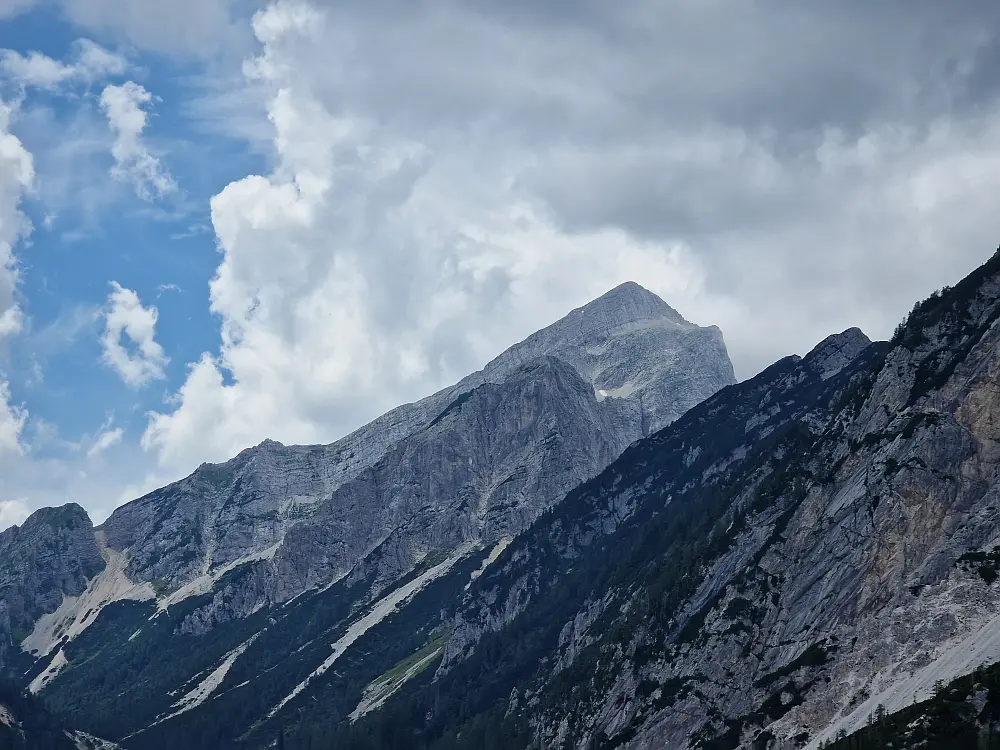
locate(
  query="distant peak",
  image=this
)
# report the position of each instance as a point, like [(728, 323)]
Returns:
[(70, 515), (630, 301), (629, 287), (835, 352)]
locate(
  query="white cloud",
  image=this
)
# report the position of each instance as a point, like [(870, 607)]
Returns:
[(12, 513), (90, 63), (427, 208), (17, 175), (125, 317), (362, 272), (108, 438), (134, 163)]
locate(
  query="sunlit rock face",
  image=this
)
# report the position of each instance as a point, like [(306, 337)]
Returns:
[(476, 462)]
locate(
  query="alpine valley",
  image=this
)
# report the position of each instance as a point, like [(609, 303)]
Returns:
[(600, 540)]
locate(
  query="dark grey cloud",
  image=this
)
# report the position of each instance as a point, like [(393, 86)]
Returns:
[(620, 69), (818, 159)]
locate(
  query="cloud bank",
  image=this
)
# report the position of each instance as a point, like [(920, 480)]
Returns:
[(449, 177)]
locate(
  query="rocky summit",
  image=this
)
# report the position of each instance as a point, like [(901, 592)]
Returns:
[(598, 541)]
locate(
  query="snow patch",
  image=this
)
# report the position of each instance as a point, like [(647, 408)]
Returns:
[(623, 391), (380, 691), (6, 717), (55, 667), (76, 613), (382, 609), (206, 687), (203, 584), (492, 558), (86, 741)]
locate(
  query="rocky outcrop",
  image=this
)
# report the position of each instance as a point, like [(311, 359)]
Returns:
[(764, 569), (259, 560), (50, 556)]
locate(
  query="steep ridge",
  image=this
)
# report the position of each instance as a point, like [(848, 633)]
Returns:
[(51, 555), (606, 374), (248, 571), (442, 665), (590, 593), (766, 572)]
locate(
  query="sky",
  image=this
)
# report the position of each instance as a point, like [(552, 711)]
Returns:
[(223, 221)]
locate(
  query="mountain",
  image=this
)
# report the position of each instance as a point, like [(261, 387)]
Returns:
[(251, 567), (474, 463), (808, 557), (52, 555), (801, 552)]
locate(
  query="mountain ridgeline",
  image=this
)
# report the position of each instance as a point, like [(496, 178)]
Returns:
[(598, 541), (206, 574)]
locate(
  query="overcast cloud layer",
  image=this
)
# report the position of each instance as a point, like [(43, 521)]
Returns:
[(446, 177)]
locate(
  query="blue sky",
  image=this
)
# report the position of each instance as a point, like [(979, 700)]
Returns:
[(90, 229), (254, 220)]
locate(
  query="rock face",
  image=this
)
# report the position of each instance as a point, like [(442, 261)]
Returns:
[(52, 554), (476, 462)]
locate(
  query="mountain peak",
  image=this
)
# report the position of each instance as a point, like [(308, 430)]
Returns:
[(835, 352), (70, 515), (630, 302)]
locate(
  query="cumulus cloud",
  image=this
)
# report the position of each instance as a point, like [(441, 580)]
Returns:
[(364, 270), (450, 177), (125, 319), (90, 63), (13, 513), (17, 175), (134, 163)]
